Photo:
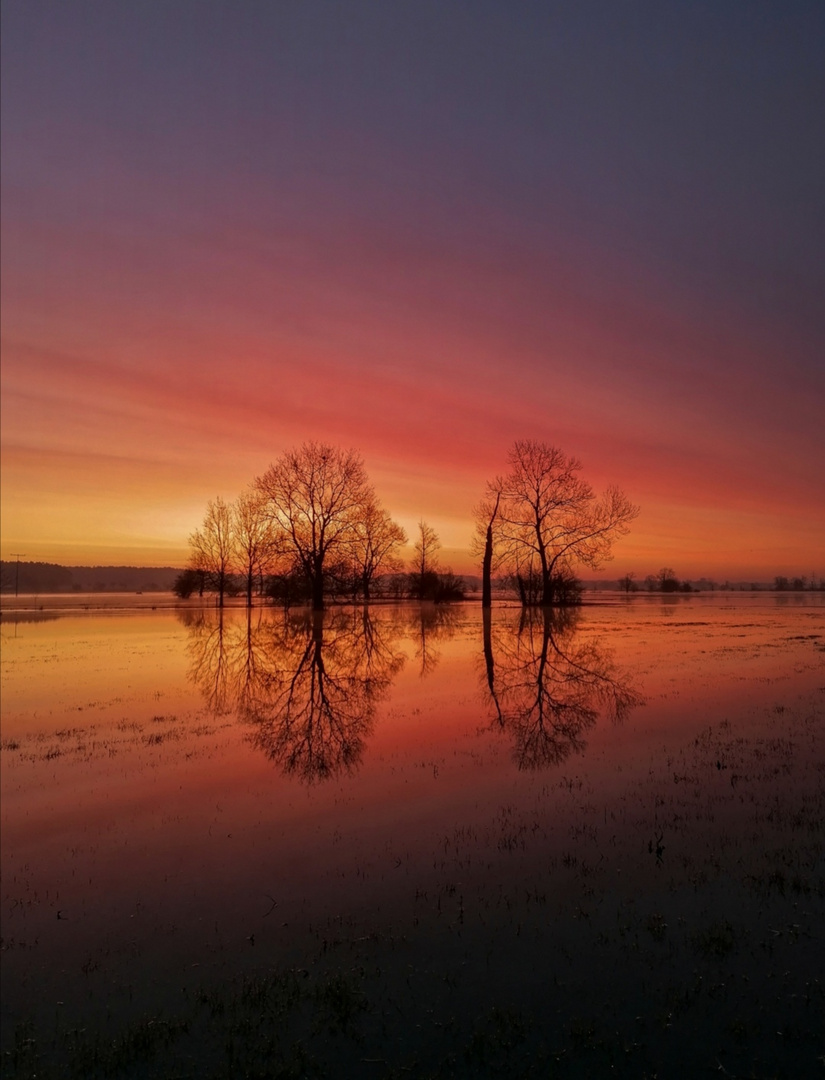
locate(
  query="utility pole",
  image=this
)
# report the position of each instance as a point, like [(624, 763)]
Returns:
[(17, 556)]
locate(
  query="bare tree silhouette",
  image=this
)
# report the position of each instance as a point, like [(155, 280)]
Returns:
[(423, 576), (257, 543), (375, 547), (548, 520), (315, 496), (213, 549)]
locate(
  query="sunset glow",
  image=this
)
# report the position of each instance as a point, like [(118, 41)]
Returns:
[(422, 233)]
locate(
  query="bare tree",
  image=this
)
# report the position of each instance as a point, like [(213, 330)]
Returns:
[(667, 580), (628, 582), (424, 575), (550, 519), (257, 542), (315, 496), (212, 548), (375, 546)]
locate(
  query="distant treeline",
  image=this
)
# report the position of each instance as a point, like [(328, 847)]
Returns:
[(799, 584), (42, 577), (666, 581)]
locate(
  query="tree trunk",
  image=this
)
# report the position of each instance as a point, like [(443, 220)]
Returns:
[(318, 592), (487, 565), (546, 572), (486, 569)]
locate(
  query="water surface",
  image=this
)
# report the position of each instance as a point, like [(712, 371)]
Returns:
[(573, 844)]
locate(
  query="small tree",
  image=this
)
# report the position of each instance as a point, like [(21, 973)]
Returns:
[(188, 582), (628, 583), (668, 582), (449, 588), (212, 547), (423, 579), (256, 541), (375, 546)]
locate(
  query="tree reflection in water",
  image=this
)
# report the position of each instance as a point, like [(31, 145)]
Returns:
[(425, 625), (547, 688), (308, 683), (212, 651)]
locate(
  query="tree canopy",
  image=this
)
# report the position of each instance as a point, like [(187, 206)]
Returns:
[(542, 519), (316, 495)]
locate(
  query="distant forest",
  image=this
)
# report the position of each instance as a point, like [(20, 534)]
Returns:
[(42, 577), (666, 581)]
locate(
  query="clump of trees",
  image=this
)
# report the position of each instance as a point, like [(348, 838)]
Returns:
[(541, 520), (665, 581), (311, 526), (798, 584)]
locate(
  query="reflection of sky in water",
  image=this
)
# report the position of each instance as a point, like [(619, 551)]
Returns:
[(163, 776)]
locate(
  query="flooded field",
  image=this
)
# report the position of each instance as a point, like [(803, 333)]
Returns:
[(410, 842)]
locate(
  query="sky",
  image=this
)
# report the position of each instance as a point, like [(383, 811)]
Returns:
[(422, 230)]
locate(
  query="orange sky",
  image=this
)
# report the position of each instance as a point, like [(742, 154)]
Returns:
[(189, 289)]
